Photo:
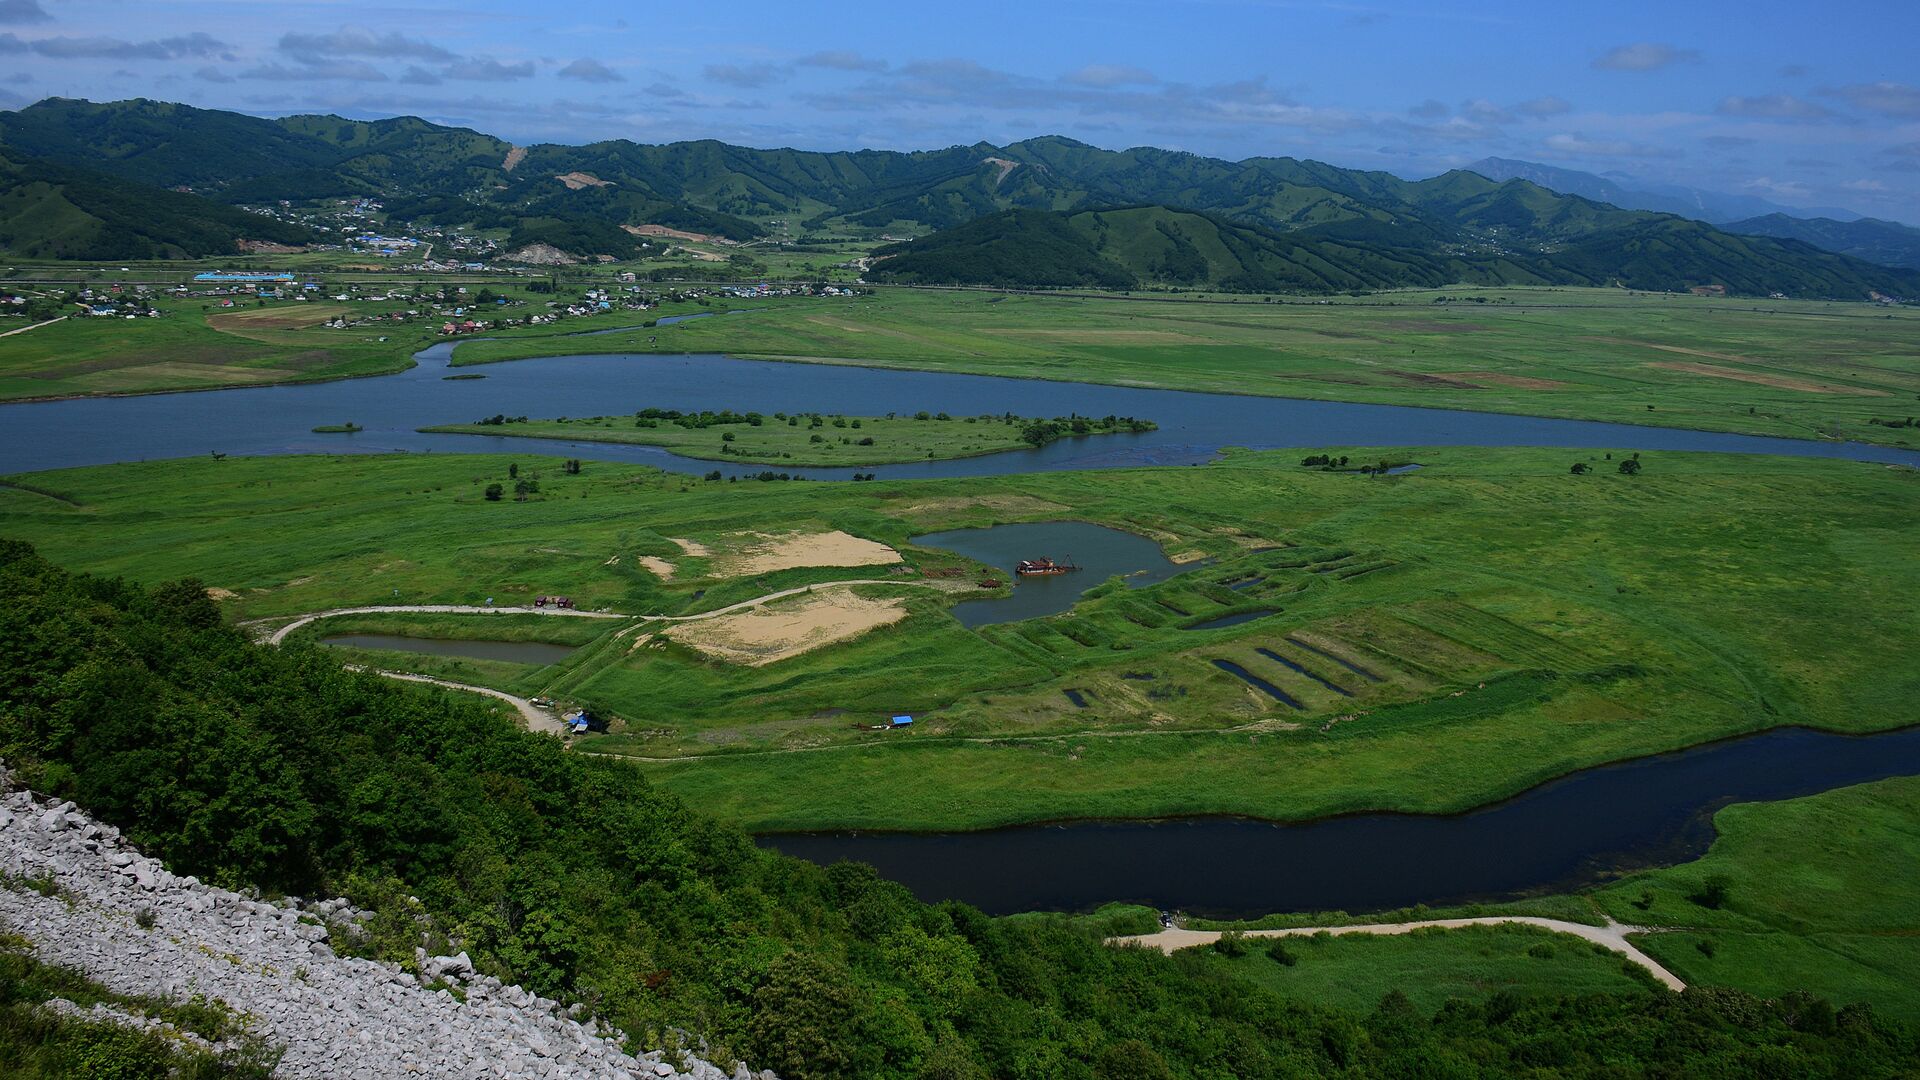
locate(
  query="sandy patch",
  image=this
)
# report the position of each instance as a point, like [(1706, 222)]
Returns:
[(215, 592), (763, 554), (1494, 378), (577, 180), (659, 567), (1780, 382), (766, 635), (692, 547), (515, 155), (1192, 555)]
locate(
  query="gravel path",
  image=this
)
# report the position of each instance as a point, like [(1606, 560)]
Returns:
[(537, 718), (280, 635), (336, 1017), (1612, 936)]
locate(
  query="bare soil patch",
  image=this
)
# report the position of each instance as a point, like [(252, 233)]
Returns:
[(1419, 378), (776, 632), (1160, 337), (515, 155), (692, 547), (577, 180), (275, 318), (1000, 504), (658, 566), (215, 592), (677, 234), (759, 553), (1518, 382), (1781, 382)]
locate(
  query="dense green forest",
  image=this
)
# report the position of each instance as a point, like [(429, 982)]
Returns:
[(277, 768), (1127, 247), (52, 211), (1888, 243)]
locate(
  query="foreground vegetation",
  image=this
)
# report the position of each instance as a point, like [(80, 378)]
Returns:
[(575, 877), (810, 439), (1766, 367), (37, 1043), (1508, 638)]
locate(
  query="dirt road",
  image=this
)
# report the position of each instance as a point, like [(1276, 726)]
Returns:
[(280, 635), (1612, 936), (537, 718)]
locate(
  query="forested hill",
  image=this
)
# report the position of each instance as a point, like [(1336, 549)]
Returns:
[(1888, 243), (250, 765), (1341, 228), (1156, 246), (50, 211)]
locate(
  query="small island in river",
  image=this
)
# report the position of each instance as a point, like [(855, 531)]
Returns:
[(810, 439)]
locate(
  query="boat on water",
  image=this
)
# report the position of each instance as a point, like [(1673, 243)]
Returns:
[(1043, 567)]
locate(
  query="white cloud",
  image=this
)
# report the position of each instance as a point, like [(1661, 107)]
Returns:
[(842, 60), (1578, 145), (21, 12), (592, 71), (1643, 56), (481, 69), (359, 41), (1773, 107), (746, 76), (1543, 106), (1891, 98), (1105, 75)]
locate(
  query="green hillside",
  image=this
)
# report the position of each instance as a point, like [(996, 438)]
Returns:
[(57, 212), (1888, 243), (1161, 247)]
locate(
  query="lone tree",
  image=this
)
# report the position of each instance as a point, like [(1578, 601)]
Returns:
[(1581, 468), (494, 491), (1630, 467)]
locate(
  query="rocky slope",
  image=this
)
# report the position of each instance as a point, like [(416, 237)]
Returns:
[(87, 901)]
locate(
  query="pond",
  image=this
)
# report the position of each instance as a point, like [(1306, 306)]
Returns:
[(1193, 426), (1100, 553), (1558, 837), (1234, 619), (518, 652)]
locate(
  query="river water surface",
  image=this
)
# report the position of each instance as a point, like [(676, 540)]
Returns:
[(280, 419)]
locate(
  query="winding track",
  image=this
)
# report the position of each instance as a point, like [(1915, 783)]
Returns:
[(1612, 936)]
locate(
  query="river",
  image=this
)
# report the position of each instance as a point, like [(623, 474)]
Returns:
[(1193, 426)]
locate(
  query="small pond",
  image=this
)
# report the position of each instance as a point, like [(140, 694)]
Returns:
[(1234, 619), (519, 652), (1100, 553)]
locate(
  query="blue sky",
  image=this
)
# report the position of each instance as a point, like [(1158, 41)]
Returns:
[(1790, 101)]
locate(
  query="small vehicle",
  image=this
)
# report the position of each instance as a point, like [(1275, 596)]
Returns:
[(553, 601), (1166, 919)]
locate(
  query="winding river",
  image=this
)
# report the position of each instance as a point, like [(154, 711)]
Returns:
[(1193, 426), (1563, 835)]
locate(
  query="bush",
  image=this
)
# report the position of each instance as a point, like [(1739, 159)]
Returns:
[(1280, 954), (1712, 893), (1231, 944)]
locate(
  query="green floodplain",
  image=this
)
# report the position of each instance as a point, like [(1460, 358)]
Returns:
[(1519, 621), (1522, 621), (809, 439)]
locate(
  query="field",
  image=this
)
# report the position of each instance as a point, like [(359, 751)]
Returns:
[(801, 440), (190, 349), (1445, 637), (1432, 967), (1787, 368), (198, 345), (1820, 896)]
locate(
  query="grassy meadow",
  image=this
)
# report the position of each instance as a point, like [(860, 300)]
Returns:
[(1432, 967), (1820, 895), (814, 439), (1450, 636), (1797, 369)]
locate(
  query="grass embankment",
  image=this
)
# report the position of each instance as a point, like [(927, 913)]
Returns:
[(1516, 622), (1819, 894), (812, 439), (1799, 369)]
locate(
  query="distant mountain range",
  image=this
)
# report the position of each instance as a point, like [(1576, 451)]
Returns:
[(1163, 217), (1888, 243), (1714, 207)]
